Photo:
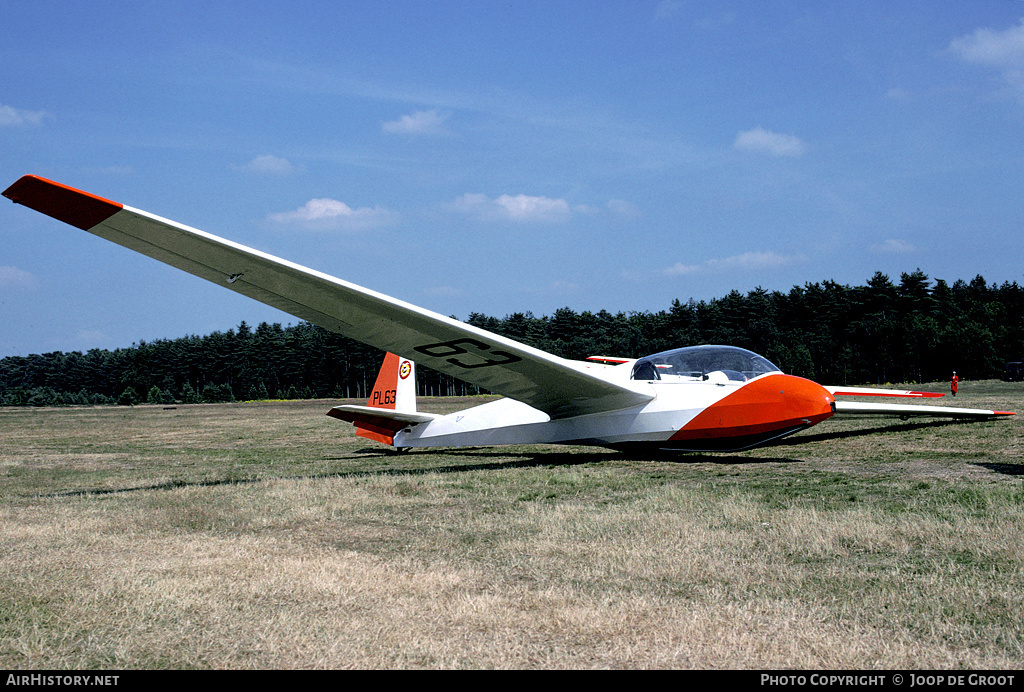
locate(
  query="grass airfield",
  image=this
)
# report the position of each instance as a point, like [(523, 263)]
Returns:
[(266, 535)]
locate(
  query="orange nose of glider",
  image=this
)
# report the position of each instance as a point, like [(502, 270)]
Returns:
[(760, 411)]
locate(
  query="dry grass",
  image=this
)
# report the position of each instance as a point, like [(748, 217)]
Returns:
[(267, 536)]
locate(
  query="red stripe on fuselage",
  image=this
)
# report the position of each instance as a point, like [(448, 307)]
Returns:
[(773, 403), (79, 209)]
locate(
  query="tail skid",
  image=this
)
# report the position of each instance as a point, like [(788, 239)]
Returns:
[(392, 403)]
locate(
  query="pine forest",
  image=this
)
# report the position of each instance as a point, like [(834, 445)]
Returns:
[(914, 330)]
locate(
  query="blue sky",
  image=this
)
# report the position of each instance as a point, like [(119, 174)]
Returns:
[(502, 157)]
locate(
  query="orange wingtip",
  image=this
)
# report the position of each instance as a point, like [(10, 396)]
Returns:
[(79, 209)]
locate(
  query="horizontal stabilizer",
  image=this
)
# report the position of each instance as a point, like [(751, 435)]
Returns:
[(378, 424), (353, 413)]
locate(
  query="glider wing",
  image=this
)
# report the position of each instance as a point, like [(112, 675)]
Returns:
[(904, 410), (559, 387), (872, 391)]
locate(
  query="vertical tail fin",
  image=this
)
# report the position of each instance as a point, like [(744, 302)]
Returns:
[(395, 389)]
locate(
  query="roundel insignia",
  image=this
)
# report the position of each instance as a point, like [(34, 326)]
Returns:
[(405, 369)]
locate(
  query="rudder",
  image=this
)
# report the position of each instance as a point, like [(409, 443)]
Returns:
[(395, 389)]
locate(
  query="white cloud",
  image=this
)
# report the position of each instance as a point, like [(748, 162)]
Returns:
[(990, 47), (418, 123), (12, 277), (535, 209), (15, 117), (748, 261), (330, 214), (1002, 50), (522, 208), (763, 141), (526, 208), (269, 164), (680, 269), (892, 246), (622, 208)]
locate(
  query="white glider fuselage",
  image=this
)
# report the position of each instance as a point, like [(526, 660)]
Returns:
[(699, 398), (661, 423)]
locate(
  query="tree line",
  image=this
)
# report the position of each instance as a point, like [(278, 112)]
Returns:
[(914, 330)]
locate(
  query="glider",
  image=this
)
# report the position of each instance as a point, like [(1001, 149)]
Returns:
[(698, 398)]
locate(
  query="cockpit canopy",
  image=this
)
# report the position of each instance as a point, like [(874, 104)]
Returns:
[(702, 363)]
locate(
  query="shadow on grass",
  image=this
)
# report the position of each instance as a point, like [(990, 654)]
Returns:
[(516, 459), (169, 485), (891, 428), (502, 460), (1005, 469)]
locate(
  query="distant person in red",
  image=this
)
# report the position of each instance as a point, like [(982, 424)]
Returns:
[(953, 382)]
